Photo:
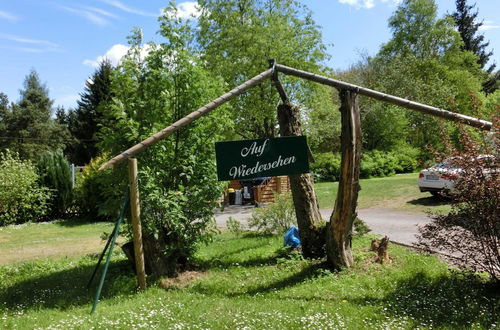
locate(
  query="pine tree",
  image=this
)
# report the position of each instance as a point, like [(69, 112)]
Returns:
[(84, 121), (5, 116), (466, 21), (31, 123)]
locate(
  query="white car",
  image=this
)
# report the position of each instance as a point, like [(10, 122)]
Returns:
[(441, 178)]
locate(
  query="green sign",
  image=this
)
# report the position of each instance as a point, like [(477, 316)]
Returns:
[(247, 159)]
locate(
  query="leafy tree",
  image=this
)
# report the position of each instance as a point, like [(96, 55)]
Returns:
[(423, 62), (416, 31), (84, 121), (466, 21), (238, 37), (178, 183), (31, 121)]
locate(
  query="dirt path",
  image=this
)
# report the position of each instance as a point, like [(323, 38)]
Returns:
[(400, 226)]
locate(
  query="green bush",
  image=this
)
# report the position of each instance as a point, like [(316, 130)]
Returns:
[(55, 174), (21, 198), (374, 163), (99, 193), (407, 159), (275, 217), (326, 166)]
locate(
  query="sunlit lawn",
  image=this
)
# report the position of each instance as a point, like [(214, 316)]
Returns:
[(397, 192), (47, 240), (247, 283)]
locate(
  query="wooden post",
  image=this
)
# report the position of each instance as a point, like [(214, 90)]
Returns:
[(302, 186), (339, 232), (135, 211)]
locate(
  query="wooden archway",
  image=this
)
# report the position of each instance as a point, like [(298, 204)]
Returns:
[(338, 235)]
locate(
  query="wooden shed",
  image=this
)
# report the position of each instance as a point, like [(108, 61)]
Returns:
[(264, 191)]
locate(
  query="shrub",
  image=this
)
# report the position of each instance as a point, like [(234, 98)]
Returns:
[(234, 226), (472, 228), (21, 198), (407, 159), (176, 221), (55, 173), (374, 163), (99, 193), (276, 217), (326, 166), (360, 227)]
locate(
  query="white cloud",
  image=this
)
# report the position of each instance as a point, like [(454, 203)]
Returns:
[(188, 9), (125, 8), (367, 4), (100, 11), (91, 14), (8, 16), (37, 46), (114, 55), (486, 27)]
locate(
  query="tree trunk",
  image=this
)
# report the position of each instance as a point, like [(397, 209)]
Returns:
[(339, 231), (312, 236)]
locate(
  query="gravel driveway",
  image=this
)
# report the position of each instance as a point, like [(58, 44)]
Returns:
[(399, 226)]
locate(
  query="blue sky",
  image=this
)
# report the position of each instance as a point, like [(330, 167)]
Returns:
[(64, 39)]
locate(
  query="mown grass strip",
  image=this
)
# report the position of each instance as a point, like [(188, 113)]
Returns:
[(248, 282)]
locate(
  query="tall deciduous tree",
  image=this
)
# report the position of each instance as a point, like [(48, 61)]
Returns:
[(466, 21), (178, 182), (424, 62), (237, 38)]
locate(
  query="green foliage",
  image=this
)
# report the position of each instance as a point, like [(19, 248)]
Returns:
[(326, 166), (360, 227), (423, 62), (84, 121), (322, 120), (30, 122), (234, 226), (374, 163), (178, 184), (55, 173), (467, 25), (100, 193), (238, 37), (21, 198), (275, 217)]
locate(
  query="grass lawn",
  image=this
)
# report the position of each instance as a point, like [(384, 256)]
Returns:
[(396, 192), (47, 240), (247, 283)]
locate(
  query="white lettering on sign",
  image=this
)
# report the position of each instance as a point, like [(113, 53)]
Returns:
[(254, 149), (243, 170)]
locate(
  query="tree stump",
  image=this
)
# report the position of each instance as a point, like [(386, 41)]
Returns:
[(382, 253)]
